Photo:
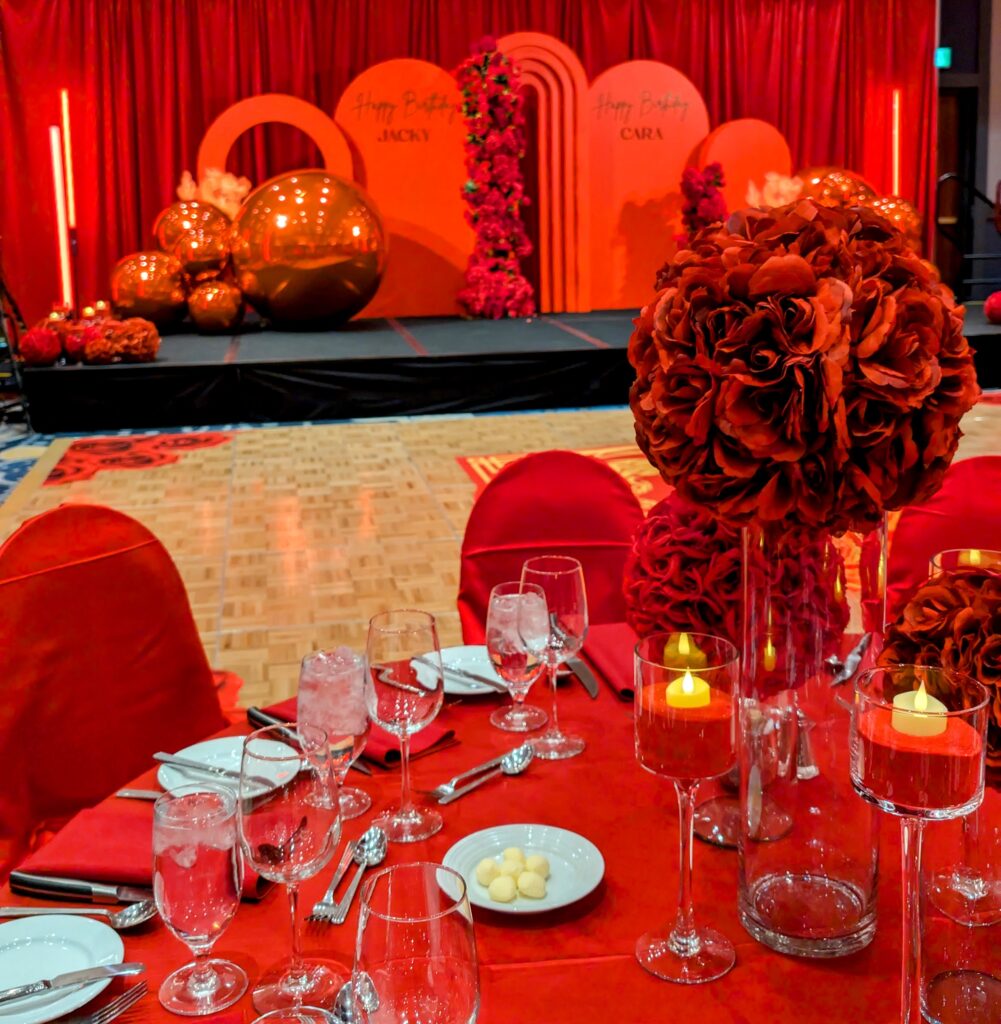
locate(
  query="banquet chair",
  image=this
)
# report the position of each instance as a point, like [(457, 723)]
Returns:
[(103, 666), (965, 513), (554, 502)]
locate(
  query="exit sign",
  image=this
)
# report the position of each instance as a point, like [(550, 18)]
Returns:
[(943, 57)]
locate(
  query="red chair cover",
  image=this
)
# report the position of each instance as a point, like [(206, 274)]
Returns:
[(103, 666), (965, 513), (557, 503)]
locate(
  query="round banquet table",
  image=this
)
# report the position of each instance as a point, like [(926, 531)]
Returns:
[(574, 964)]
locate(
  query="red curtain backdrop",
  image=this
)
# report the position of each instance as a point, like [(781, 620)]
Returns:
[(146, 77)]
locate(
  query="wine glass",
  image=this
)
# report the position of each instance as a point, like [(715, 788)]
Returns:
[(332, 697), (917, 748), (562, 581), (290, 825), (197, 875), (405, 696), (515, 610), (415, 956), (685, 730)]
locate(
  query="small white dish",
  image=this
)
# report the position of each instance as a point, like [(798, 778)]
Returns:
[(576, 865), (32, 948), (470, 658), (225, 752)]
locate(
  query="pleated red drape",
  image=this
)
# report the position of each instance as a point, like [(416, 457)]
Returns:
[(148, 76)]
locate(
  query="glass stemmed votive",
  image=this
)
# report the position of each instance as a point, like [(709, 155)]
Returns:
[(404, 660), (197, 875), (332, 697), (562, 581), (517, 610), (685, 730), (917, 751), (415, 957), (290, 825)]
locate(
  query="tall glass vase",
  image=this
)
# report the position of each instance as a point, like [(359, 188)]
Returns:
[(813, 619)]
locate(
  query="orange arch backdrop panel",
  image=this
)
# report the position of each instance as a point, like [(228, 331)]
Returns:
[(748, 149), (646, 120), (404, 124), (268, 107)]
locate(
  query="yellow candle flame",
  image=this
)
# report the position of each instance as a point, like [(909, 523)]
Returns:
[(921, 698), (684, 648), (687, 682), (770, 657), (974, 558)]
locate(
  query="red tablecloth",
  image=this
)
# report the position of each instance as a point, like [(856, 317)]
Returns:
[(577, 964)]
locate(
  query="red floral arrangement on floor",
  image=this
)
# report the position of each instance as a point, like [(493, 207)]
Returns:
[(704, 204), (494, 190), (89, 341), (954, 620), (802, 365)]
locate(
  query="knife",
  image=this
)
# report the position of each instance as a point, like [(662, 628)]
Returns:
[(72, 978), (173, 761), (471, 677), (261, 718), (585, 675), (97, 892), (139, 794)]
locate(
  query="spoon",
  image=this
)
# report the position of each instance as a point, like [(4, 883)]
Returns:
[(128, 917), (514, 762), (371, 850)]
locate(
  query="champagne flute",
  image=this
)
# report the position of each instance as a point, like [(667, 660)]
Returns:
[(290, 825), (415, 955), (405, 696), (562, 581), (517, 609), (197, 875), (332, 697)]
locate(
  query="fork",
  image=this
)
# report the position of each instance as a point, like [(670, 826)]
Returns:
[(107, 1013), (447, 789), (323, 909)]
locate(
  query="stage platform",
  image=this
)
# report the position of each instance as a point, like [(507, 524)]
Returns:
[(369, 368)]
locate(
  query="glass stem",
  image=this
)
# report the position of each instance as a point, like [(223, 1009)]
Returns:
[(203, 981), (684, 940), (911, 833), (405, 800), (554, 722), (296, 977)]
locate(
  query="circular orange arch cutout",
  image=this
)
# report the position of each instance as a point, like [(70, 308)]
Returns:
[(275, 106)]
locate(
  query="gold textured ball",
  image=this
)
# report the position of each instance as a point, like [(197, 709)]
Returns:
[(834, 186), (216, 306), (149, 285), (202, 253), (901, 214), (187, 216), (309, 249)]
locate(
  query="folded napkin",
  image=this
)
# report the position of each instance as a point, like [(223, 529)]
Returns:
[(382, 748), (112, 844), (609, 651)]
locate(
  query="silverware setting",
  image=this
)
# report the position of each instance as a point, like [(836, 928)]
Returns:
[(71, 978), (447, 789), (107, 1013), (139, 794), (185, 764), (258, 717), (369, 851), (461, 673), (132, 915), (326, 905), (28, 884), (514, 762)]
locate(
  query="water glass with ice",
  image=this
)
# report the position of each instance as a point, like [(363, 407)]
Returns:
[(517, 634)]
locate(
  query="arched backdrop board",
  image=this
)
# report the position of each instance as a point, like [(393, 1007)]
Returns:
[(406, 131), (646, 120)]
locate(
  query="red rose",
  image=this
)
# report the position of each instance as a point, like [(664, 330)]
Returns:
[(40, 346)]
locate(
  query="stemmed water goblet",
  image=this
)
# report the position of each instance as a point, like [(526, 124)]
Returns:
[(517, 610), (404, 697), (685, 730), (197, 875), (918, 742), (562, 581), (290, 825), (332, 697)]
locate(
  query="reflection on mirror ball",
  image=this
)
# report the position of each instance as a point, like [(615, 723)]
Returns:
[(188, 216), (149, 285)]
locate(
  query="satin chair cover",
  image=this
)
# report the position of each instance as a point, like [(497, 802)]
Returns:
[(965, 513), (103, 666), (554, 502)]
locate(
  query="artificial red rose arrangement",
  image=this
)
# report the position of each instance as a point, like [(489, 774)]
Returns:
[(954, 621), (803, 366), (92, 340), (494, 190), (704, 204)]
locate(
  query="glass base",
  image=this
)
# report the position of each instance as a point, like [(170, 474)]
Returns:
[(717, 821), (178, 996), (706, 958), (354, 802), (557, 746), (963, 997), (519, 718), (967, 897), (299, 1015), (807, 915), (410, 825), (317, 987)]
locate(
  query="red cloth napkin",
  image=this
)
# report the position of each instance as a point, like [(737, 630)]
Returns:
[(112, 844), (382, 748), (609, 651)]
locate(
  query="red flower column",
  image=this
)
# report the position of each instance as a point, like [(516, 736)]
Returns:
[(494, 190)]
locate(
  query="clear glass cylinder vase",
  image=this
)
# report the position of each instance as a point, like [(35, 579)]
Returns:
[(814, 607)]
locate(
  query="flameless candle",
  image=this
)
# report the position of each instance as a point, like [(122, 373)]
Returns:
[(971, 557), (916, 713), (688, 692), (683, 652)]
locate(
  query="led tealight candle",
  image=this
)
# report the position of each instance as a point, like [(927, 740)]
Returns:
[(770, 658), (683, 652), (971, 557), (917, 713), (688, 692)]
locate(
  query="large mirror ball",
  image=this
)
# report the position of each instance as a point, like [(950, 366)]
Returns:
[(309, 249)]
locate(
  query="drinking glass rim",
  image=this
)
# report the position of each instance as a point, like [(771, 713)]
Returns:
[(286, 727), (359, 660), (226, 809), (711, 666), (955, 551), (520, 584), (880, 702), (429, 620), (553, 558), (371, 881)]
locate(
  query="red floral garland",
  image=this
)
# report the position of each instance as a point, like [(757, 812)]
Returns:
[(494, 190), (90, 341)]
